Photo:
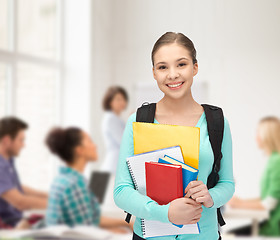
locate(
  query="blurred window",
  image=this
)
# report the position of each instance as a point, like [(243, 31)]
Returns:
[(30, 70), (3, 88), (37, 22), (4, 8)]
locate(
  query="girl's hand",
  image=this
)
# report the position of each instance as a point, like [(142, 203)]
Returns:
[(198, 191), (184, 211)]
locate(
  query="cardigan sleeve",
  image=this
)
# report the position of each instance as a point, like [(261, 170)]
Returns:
[(125, 195)]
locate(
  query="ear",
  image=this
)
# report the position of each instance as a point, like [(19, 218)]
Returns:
[(154, 74), (6, 140), (78, 150), (195, 69)]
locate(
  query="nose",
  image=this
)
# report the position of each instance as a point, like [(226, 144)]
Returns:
[(172, 74)]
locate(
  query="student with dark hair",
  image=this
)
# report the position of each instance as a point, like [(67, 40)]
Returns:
[(174, 66), (14, 197), (114, 103), (70, 200)]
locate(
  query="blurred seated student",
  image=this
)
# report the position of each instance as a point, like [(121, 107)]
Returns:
[(14, 197), (268, 139), (70, 200)]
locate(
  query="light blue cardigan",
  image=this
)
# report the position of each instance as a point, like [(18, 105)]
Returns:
[(130, 200)]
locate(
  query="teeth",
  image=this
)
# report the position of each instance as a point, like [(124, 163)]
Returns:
[(175, 85)]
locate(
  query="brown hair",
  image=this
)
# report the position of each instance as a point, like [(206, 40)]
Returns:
[(110, 94), (11, 126), (269, 130), (62, 142), (179, 38)]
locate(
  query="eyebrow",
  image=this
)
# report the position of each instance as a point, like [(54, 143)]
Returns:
[(183, 58)]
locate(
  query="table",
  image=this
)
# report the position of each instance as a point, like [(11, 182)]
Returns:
[(255, 216)]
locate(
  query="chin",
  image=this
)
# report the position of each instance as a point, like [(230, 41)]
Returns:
[(176, 96), (15, 154)]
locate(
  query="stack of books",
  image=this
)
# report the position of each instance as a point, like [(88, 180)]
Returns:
[(165, 162)]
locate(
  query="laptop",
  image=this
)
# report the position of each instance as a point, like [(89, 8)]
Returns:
[(98, 184)]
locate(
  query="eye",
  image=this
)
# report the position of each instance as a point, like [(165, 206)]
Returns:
[(162, 67), (182, 64)]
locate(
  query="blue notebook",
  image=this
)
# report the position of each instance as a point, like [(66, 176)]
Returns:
[(189, 173)]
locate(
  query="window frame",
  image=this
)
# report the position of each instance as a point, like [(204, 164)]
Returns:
[(12, 57)]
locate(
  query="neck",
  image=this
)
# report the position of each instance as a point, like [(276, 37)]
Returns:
[(180, 105), (4, 153), (269, 152), (116, 112), (79, 164)]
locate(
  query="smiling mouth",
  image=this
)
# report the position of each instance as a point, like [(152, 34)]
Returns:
[(175, 86)]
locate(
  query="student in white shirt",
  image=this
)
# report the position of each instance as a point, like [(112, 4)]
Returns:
[(114, 103)]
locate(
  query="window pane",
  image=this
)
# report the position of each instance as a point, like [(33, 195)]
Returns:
[(37, 23), (3, 89), (4, 24), (36, 103)]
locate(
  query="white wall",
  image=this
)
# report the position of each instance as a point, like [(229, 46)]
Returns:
[(76, 85), (101, 68), (238, 55)]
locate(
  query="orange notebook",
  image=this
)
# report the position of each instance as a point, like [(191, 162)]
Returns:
[(163, 182)]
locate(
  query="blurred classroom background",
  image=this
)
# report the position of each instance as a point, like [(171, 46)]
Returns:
[(58, 58)]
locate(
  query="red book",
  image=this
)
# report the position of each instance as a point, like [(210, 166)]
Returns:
[(163, 182)]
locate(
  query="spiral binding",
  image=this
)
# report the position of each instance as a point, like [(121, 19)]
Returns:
[(143, 227), (136, 187), (132, 175)]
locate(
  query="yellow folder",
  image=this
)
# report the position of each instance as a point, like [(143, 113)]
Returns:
[(152, 136)]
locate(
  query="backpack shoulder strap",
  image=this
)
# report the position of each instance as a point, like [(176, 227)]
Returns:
[(215, 127), (146, 113)]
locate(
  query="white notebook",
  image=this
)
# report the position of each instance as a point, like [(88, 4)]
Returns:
[(152, 228), (136, 166)]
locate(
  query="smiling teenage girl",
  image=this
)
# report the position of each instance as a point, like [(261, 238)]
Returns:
[(174, 66)]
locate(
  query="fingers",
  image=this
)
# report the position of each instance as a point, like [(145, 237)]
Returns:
[(194, 221), (198, 212), (193, 184), (199, 194), (192, 202), (201, 199), (194, 190)]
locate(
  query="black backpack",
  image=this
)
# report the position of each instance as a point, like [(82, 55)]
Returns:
[(215, 126)]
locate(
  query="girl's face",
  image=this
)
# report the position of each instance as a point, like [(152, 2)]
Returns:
[(87, 149), (118, 103), (174, 70)]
